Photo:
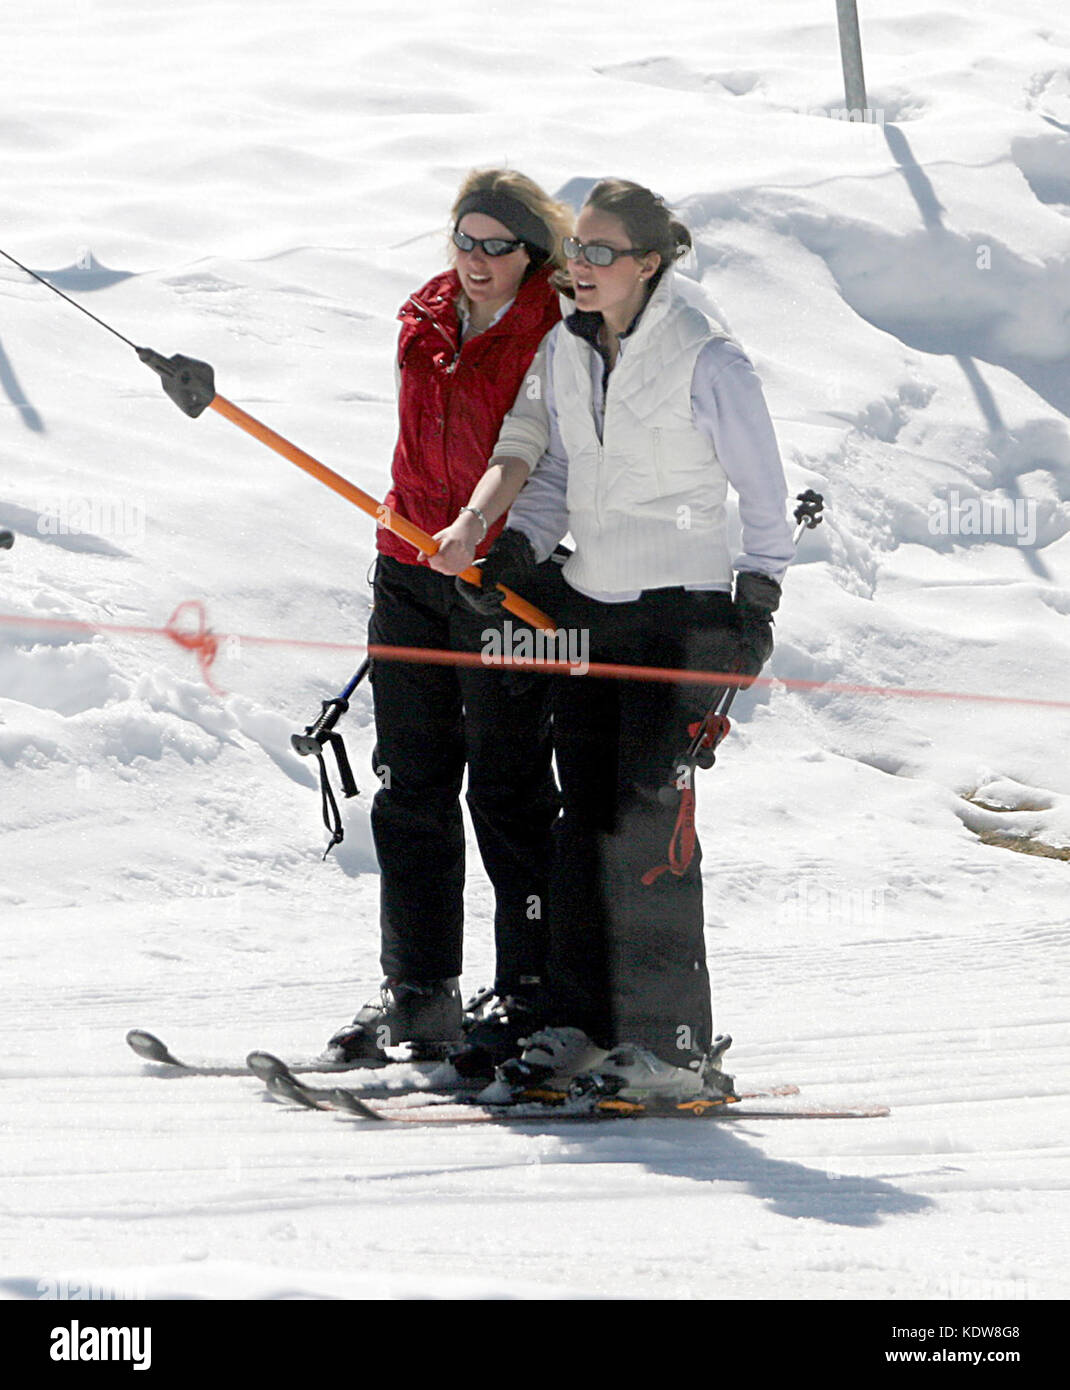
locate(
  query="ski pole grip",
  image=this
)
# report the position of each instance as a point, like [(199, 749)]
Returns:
[(808, 512), (311, 742), (332, 711), (384, 515)]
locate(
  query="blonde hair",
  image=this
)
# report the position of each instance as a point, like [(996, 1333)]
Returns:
[(557, 217)]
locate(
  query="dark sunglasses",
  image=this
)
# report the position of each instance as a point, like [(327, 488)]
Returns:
[(489, 245), (593, 252)]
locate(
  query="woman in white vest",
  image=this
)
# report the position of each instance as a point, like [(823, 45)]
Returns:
[(638, 413)]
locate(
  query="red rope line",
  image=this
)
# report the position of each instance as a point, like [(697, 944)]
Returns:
[(206, 645)]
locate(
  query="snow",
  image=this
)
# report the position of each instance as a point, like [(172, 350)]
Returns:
[(264, 201)]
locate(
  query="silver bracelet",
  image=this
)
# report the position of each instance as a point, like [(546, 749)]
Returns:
[(483, 520)]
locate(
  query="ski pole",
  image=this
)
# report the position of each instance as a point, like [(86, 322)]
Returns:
[(191, 385), (310, 744), (714, 727), (707, 735), (321, 731)]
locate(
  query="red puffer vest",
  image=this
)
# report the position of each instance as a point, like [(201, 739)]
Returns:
[(453, 400)]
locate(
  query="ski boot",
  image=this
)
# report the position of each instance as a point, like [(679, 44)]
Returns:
[(632, 1080), (425, 1015), (494, 1028), (716, 1083), (550, 1059)]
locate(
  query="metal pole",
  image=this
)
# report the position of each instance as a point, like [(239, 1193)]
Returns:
[(854, 82)]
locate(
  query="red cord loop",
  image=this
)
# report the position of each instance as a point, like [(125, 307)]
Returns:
[(682, 843), (202, 641)]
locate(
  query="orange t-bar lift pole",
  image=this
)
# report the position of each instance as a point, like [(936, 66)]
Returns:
[(191, 385)]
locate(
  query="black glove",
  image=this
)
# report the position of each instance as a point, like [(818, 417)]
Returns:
[(757, 599), (509, 561)]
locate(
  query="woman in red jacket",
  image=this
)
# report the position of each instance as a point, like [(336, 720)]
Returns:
[(467, 340)]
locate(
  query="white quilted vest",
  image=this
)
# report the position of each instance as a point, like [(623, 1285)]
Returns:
[(646, 501)]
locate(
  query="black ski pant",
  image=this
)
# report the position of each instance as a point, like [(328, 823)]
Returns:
[(431, 721), (627, 959)]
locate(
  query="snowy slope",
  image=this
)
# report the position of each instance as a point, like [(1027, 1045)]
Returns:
[(264, 200)]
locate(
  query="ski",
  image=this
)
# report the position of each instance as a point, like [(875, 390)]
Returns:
[(282, 1080), (567, 1111), (270, 1069), (286, 1086), (549, 1116), (399, 1104), (282, 1083), (546, 1115), (151, 1049)]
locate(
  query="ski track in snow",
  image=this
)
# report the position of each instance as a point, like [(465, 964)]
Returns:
[(266, 202)]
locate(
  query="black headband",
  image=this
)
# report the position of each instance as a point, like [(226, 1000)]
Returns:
[(511, 213)]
